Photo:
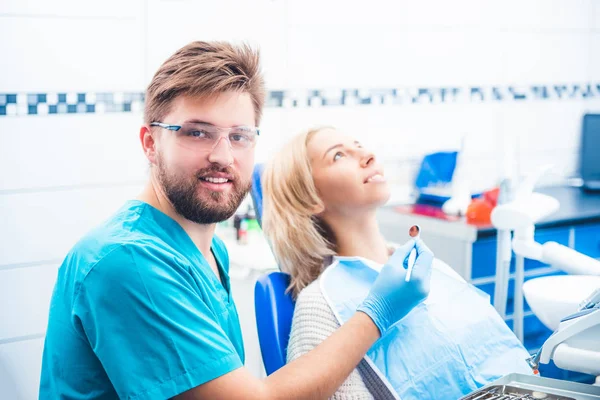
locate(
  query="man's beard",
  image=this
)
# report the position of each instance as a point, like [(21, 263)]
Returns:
[(184, 195)]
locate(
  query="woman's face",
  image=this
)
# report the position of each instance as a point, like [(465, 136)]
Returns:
[(347, 176)]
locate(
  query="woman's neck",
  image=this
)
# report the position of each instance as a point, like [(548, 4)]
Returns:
[(359, 236)]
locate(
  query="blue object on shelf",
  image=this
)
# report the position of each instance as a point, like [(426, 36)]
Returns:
[(436, 168)]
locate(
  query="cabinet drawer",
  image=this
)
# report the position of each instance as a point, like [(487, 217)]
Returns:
[(483, 261), (587, 240)]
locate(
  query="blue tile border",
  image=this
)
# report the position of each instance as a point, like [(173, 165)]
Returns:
[(21, 104)]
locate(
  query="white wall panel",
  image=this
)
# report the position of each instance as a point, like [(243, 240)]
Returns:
[(273, 133), (595, 16), (546, 15), (20, 368), (260, 23), (564, 163), (336, 13), (48, 151), (594, 54), (25, 298), (545, 57), (592, 106), (481, 172), (71, 8), (544, 126), (45, 225), (445, 16), (352, 58), (54, 54), (529, 16)]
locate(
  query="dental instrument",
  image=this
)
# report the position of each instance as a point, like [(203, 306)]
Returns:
[(414, 232)]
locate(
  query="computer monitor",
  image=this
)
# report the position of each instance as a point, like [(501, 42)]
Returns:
[(590, 152)]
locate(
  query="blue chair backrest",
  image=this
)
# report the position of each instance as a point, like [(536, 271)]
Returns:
[(274, 308), (274, 311)]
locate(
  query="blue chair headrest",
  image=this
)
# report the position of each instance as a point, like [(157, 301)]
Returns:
[(256, 192)]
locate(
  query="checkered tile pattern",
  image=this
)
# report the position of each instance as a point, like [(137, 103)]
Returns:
[(13, 104)]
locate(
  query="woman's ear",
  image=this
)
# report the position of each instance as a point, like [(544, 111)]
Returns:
[(318, 209)]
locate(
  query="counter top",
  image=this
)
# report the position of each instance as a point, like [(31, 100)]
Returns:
[(576, 206)]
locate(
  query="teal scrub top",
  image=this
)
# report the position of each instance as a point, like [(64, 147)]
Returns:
[(137, 313)]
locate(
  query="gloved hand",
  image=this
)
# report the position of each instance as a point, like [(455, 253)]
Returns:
[(391, 298)]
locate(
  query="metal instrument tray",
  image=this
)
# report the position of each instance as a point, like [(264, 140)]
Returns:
[(530, 387)]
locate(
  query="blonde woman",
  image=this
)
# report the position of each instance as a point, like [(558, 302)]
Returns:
[(322, 191)]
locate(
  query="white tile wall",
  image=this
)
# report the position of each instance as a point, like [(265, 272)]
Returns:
[(544, 126), (61, 175), (595, 16), (350, 57), (547, 15), (62, 54), (30, 289), (260, 23), (45, 225), (20, 367), (594, 52), (71, 8), (545, 57), (53, 151)]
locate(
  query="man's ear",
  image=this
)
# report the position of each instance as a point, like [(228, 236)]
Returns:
[(148, 144)]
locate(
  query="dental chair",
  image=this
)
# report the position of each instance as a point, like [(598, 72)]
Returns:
[(274, 308)]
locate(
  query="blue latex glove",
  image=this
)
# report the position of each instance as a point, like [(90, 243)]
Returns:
[(391, 298)]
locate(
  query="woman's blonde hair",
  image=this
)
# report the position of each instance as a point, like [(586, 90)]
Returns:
[(300, 240)]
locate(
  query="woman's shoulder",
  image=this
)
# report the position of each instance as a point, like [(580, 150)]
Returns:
[(312, 297), (313, 310)]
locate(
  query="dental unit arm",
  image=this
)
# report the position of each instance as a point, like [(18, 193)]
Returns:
[(571, 346)]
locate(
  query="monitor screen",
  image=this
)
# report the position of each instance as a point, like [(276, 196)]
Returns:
[(590, 148)]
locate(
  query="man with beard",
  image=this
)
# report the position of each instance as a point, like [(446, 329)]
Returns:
[(142, 307)]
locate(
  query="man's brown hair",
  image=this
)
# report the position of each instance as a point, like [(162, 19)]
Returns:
[(203, 69)]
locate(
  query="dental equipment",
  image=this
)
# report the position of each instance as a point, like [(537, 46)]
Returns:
[(575, 346), (518, 215), (571, 346), (529, 387)]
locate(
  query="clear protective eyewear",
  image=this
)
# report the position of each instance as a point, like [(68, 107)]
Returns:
[(205, 137)]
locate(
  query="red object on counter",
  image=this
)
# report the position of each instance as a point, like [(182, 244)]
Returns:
[(427, 211), (479, 212), (492, 196)]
